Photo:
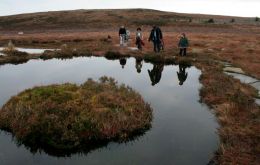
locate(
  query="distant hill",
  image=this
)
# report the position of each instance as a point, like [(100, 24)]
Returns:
[(100, 19)]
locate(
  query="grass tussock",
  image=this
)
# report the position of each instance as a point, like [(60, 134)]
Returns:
[(68, 116), (10, 47), (64, 53), (11, 50), (12, 55)]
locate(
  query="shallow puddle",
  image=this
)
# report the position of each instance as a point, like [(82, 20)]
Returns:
[(255, 83), (243, 78), (239, 74), (30, 50), (183, 130)]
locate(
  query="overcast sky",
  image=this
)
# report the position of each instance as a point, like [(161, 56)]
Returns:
[(246, 8)]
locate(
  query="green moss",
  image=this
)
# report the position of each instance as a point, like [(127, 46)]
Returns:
[(68, 116)]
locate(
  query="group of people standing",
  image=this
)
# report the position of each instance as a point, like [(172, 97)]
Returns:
[(156, 36)]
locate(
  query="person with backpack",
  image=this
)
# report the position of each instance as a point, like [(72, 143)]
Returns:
[(122, 35), (157, 37), (139, 38), (183, 45)]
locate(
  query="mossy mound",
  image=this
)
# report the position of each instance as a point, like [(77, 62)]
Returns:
[(69, 116)]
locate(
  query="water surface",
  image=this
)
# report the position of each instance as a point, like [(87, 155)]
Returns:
[(183, 130)]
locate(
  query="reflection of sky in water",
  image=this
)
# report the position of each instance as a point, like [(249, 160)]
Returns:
[(183, 130)]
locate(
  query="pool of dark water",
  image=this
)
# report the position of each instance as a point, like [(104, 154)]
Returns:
[(183, 130)]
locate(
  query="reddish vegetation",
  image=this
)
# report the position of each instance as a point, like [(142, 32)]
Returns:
[(237, 42), (237, 115)]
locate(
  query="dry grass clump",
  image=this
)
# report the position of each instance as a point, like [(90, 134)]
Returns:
[(13, 55), (68, 116), (65, 53), (11, 50), (10, 47)]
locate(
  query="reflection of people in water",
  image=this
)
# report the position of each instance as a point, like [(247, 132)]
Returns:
[(138, 64), (182, 74), (122, 62), (156, 73)]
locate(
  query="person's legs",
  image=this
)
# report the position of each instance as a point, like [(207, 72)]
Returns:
[(181, 50), (154, 46), (184, 51), (121, 40), (124, 39), (138, 43), (158, 46)]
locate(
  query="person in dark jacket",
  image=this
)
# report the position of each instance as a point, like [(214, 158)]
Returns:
[(182, 74), (156, 36), (122, 35), (183, 45), (156, 73)]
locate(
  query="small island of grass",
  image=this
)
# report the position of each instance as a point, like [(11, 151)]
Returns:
[(68, 116)]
